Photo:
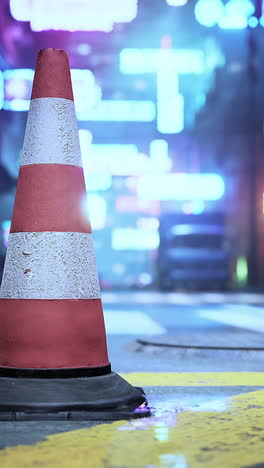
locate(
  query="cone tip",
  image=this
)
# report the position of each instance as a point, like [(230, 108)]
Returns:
[(52, 75), (51, 50)]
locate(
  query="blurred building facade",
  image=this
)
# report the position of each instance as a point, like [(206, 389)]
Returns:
[(169, 103)]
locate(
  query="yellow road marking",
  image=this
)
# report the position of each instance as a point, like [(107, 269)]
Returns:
[(231, 438), (196, 379)]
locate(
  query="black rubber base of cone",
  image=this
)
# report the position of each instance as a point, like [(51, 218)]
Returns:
[(101, 398)]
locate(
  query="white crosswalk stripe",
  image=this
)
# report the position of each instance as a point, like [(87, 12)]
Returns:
[(241, 316), (130, 323)]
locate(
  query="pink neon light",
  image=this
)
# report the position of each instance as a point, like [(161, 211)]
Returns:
[(74, 15)]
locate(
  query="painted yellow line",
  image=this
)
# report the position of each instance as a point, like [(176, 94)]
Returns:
[(196, 379), (229, 435)]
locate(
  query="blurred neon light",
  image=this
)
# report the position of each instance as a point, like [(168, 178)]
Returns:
[(74, 15), (233, 22), (177, 3), (232, 15), (17, 88), (135, 61), (19, 73), (261, 21), (170, 104), (86, 92), (17, 92), (123, 159), (194, 207), (243, 7), (181, 187), (97, 210), (167, 64), (18, 85), (6, 225), (86, 138), (129, 111), (17, 105), (170, 115), (198, 206), (148, 223), (209, 12), (241, 272), (159, 156), (253, 22), (134, 239), (132, 204), (117, 160), (99, 182), (1, 90)]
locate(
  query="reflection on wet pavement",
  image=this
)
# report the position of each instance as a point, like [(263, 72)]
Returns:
[(224, 433)]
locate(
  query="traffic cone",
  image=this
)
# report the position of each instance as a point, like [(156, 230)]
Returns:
[(53, 352)]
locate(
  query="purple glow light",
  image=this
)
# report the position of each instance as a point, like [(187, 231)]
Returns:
[(74, 15)]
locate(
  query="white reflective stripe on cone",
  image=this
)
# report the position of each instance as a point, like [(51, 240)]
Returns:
[(51, 133), (50, 265)]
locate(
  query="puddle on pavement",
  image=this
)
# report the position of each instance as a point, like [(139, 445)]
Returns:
[(223, 433)]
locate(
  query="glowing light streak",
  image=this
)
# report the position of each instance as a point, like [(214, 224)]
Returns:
[(74, 15), (181, 187)]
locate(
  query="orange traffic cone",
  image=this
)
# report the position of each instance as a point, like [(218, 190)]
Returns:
[(53, 353)]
